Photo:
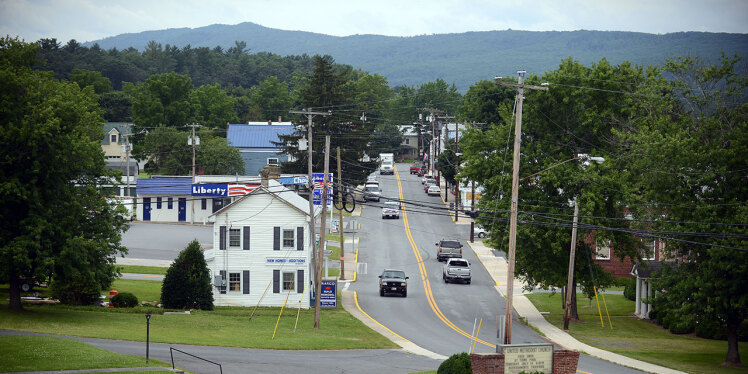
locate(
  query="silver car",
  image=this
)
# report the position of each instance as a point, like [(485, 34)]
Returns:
[(391, 209)]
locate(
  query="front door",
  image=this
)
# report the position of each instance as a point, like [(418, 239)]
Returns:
[(146, 209), (182, 209)]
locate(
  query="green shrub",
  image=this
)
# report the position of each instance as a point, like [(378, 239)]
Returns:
[(456, 364), (187, 282), (124, 300), (711, 329), (629, 288), (75, 291), (743, 332), (683, 325)]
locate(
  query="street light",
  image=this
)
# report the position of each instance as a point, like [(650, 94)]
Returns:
[(147, 336), (570, 282)]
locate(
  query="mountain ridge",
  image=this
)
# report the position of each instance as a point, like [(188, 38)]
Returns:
[(460, 58)]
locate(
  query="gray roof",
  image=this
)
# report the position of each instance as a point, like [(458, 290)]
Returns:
[(122, 165), (108, 126), (646, 268)]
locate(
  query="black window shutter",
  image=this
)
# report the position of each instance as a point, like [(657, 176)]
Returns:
[(299, 281), (299, 238), (276, 281), (245, 282), (245, 242), (276, 238), (222, 238), (223, 278)]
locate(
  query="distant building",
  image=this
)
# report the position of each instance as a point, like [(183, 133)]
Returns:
[(255, 143), (113, 141), (409, 146)]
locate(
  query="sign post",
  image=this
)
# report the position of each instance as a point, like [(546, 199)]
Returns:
[(329, 294)]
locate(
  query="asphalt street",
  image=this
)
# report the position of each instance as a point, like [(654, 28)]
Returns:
[(436, 316), (158, 241)]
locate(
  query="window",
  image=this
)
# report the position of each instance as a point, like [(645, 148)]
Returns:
[(170, 203), (288, 279), (235, 282), (158, 203), (203, 203), (602, 249), (114, 138), (407, 140), (650, 247), (273, 161), (234, 237), (288, 239)]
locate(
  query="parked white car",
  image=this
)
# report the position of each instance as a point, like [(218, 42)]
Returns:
[(479, 231), (434, 191)]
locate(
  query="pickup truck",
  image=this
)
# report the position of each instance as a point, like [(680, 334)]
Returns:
[(456, 269), (448, 248), (415, 167)]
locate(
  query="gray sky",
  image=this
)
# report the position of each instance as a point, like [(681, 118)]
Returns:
[(87, 20)]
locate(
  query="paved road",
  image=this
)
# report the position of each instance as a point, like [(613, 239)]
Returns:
[(158, 241), (242, 360), (434, 313)]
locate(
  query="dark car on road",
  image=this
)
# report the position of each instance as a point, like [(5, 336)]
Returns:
[(393, 281)]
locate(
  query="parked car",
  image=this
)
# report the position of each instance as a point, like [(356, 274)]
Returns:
[(428, 184), (434, 190), (422, 171), (393, 281), (415, 167), (448, 248), (391, 209), (426, 177), (479, 231), (457, 269)]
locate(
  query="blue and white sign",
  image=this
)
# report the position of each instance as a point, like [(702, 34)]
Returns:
[(284, 260), (329, 294), (318, 180), (300, 180), (210, 190)]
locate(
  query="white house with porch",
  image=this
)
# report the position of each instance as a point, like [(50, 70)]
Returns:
[(262, 249), (643, 271)]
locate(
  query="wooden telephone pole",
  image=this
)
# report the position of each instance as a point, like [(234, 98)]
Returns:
[(515, 192), (316, 257)]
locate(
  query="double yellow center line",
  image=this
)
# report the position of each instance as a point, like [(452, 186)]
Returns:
[(424, 273)]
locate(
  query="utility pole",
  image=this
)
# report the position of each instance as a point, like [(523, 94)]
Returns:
[(570, 283), (127, 159), (193, 141), (458, 199), (515, 192), (317, 260), (320, 254), (340, 218)]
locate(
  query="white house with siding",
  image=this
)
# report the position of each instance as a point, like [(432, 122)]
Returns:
[(262, 249)]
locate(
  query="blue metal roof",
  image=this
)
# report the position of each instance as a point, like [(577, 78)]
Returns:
[(165, 186), (256, 136)]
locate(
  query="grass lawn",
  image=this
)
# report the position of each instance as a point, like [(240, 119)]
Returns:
[(225, 326), (37, 353), (137, 269), (335, 253), (333, 237), (639, 339), (145, 290)]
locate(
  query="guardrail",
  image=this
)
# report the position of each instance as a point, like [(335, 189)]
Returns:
[(171, 352)]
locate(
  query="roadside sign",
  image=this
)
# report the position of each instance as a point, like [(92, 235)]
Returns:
[(529, 358), (329, 294), (318, 180)]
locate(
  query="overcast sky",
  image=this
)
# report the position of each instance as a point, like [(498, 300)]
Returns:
[(87, 20)]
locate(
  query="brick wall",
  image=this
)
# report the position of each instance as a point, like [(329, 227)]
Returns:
[(564, 362)]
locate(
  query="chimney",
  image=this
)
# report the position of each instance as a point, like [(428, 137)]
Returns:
[(269, 172)]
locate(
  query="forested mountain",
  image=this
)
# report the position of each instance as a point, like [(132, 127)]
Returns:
[(460, 58)]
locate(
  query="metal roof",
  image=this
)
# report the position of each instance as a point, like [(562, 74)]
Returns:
[(257, 136), (165, 186)]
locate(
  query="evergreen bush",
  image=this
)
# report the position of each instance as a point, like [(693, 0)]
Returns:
[(683, 325), (124, 300), (187, 282), (456, 364), (629, 289)]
